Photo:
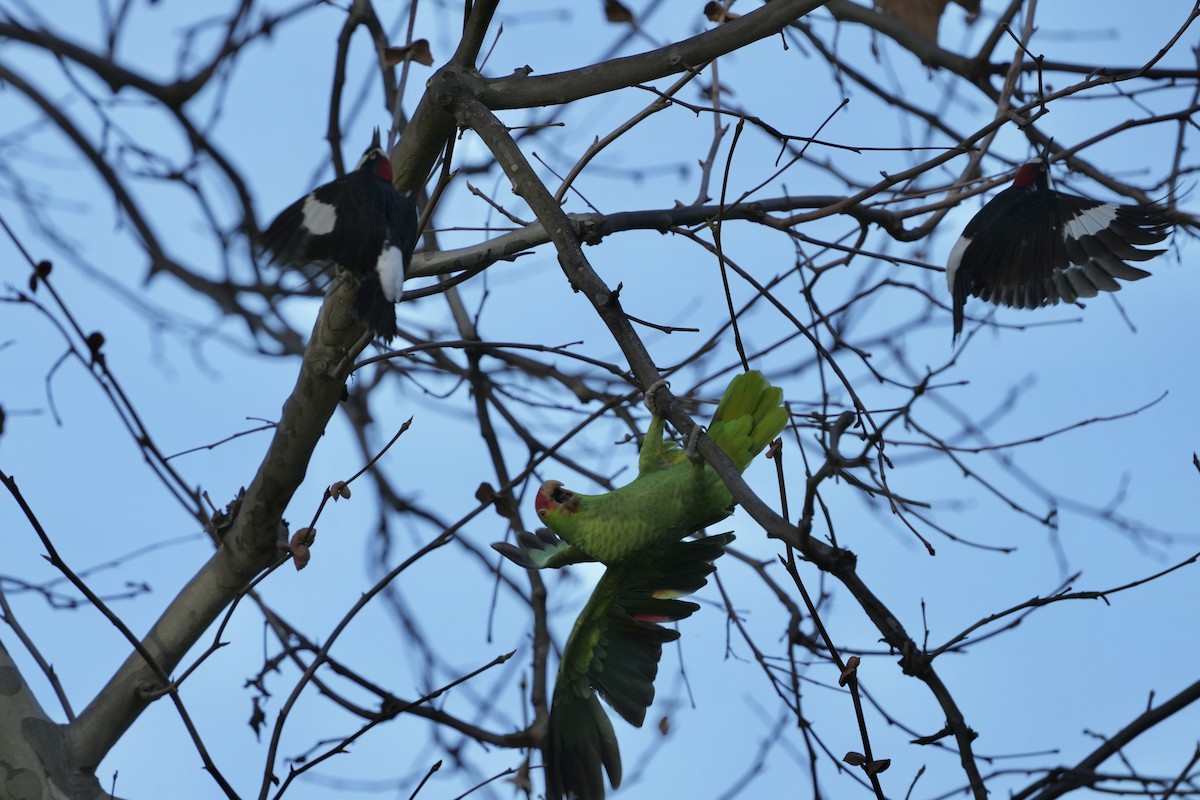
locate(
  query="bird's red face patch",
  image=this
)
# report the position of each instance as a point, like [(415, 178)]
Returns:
[(1028, 173), (383, 167)]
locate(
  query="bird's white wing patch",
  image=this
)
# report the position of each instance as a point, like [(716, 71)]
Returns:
[(319, 218), (955, 259), (1091, 221), (390, 267)]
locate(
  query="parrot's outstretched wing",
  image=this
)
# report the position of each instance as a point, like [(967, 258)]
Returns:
[(541, 550), (614, 650)]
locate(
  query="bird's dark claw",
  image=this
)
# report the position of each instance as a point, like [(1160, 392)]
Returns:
[(690, 450), (653, 390)]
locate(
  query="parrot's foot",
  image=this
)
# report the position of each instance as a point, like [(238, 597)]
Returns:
[(690, 450), (539, 550), (653, 390)]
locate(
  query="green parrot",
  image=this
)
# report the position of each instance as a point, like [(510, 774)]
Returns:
[(637, 532)]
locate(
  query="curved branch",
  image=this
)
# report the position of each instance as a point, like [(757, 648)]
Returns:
[(520, 91)]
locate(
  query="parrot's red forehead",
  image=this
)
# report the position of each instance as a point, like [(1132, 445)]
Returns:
[(545, 497)]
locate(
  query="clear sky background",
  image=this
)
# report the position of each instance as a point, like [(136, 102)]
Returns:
[(1129, 496)]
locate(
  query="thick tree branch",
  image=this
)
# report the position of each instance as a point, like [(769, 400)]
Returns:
[(249, 547), (31, 760), (520, 91)]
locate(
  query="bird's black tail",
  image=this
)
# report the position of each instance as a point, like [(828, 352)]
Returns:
[(375, 309)]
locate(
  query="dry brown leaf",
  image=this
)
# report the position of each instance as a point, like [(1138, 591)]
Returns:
[(40, 272), (870, 767), (418, 51), (520, 778), (300, 546), (716, 12), (849, 671), (923, 16), (488, 495), (258, 718), (617, 12), (95, 341)]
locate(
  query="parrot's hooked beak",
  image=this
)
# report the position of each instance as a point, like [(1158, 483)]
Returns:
[(553, 497)]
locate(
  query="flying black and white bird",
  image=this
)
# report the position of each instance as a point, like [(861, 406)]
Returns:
[(1031, 246), (360, 223)]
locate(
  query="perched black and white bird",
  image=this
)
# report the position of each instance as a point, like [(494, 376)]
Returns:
[(1031, 246), (360, 223)]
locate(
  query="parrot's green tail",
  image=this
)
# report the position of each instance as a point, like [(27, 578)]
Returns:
[(621, 627), (581, 739), (748, 417)]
